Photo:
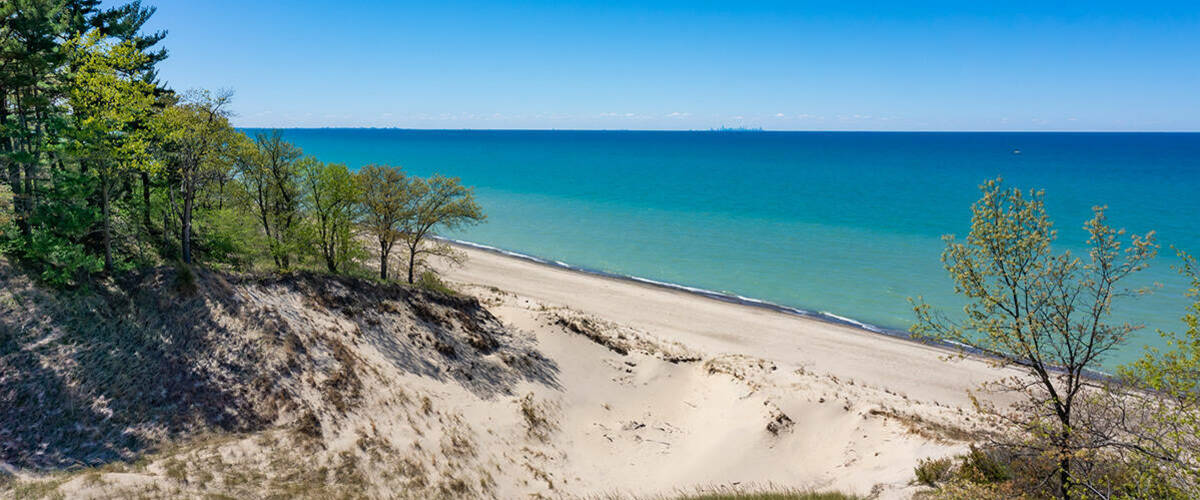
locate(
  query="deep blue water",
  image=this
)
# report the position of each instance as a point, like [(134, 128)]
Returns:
[(842, 222)]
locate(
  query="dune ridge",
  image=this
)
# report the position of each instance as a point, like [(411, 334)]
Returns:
[(531, 382)]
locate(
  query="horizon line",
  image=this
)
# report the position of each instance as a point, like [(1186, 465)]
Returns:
[(737, 131)]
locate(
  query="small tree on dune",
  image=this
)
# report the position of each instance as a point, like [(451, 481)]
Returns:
[(1156, 410), (6, 208), (1047, 314), (272, 178), (332, 196), (386, 196), (437, 203), (111, 106), (198, 140)]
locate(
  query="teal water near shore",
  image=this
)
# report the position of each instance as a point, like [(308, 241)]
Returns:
[(844, 223)]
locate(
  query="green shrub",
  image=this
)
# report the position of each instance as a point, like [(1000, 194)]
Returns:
[(933, 471), (59, 262), (227, 236), (6, 209), (430, 281), (185, 278), (983, 467)]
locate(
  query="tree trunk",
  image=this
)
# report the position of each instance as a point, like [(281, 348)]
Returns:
[(108, 261), (383, 261), (166, 227), (27, 201), (8, 145), (412, 262), (30, 168), (18, 194), (1064, 465), (146, 200), (328, 245), (185, 234), (1064, 475), (330, 261)]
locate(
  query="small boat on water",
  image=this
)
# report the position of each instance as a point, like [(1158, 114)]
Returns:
[(1016, 151)]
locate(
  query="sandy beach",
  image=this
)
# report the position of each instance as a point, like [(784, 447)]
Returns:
[(716, 327), (762, 397)]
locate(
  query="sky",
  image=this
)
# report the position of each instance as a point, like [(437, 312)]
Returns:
[(788, 65)]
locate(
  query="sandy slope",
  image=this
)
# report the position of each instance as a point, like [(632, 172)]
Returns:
[(562, 385), (773, 399), (715, 327)]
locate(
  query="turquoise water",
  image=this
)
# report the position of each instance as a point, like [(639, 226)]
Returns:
[(842, 222)]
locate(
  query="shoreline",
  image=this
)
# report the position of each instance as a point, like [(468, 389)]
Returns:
[(949, 347), (822, 316), (715, 328)]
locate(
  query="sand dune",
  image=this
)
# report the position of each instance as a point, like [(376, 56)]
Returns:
[(715, 327), (540, 382), (770, 398)]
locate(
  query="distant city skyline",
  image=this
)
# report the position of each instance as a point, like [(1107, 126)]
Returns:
[(1098, 66)]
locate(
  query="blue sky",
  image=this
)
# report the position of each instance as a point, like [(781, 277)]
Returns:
[(693, 64)]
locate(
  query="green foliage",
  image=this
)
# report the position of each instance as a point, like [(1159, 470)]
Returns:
[(6, 210), (228, 236), (981, 466), (271, 176), (437, 203), (977, 466), (933, 471), (1046, 313), (109, 105), (185, 279), (200, 144), (999, 472), (63, 263), (333, 197), (103, 169), (430, 281), (1168, 431), (57, 251), (74, 103), (386, 200)]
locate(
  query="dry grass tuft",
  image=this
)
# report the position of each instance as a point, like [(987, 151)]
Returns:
[(537, 421), (928, 429)]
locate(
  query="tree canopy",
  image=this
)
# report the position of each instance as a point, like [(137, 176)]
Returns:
[(105, 169), (1046, 312)]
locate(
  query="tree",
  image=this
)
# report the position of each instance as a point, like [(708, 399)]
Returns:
[(199, 138), (1160, 417), (110, 107), (437, 203), (386, 200), (124, 23), (1045, 313), (6, 215), (66, 73), (30, 90), (271, 176), (332, 195)]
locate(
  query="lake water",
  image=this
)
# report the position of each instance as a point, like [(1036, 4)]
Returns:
[(845, 223)]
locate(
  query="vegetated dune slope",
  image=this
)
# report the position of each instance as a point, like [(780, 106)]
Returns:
[(309, 385)]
